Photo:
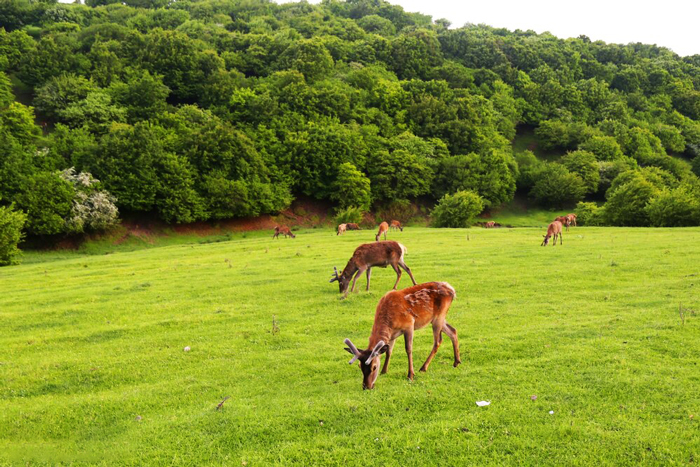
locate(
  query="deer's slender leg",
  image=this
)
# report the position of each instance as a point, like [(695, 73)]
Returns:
[(359, 273), (398, 275), (452, 334), (385, 368), (408, 270), (408, 337), (437, 340), (369, 273)]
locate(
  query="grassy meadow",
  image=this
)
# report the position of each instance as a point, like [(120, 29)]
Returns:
[(93, 371)]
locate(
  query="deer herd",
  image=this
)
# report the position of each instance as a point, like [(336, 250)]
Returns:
[(401, 312)]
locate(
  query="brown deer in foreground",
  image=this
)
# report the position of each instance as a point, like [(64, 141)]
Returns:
[(351, 226), (396, 225), (367, 256), (284, 230), (554, 229), (383, 228), (572, 219), (564, 221), (402, 312), (341, 229)]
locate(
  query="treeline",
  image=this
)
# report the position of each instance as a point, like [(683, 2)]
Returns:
[(218, 108)]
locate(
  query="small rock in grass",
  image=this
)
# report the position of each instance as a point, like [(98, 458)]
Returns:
[(551, 412), (139, 418), (483, 403), (534, 398), (187, 349)]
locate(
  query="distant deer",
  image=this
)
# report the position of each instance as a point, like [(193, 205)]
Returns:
[(351, 226), (564, 221), (490, 224), (369, 255), (383, 228), (572, 219), (554, 229), (284, 230), (396, 225), (402, 312), (341, 229)]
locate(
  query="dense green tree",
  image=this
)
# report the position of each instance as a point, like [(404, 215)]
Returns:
[(627, 202), (679, 207), (398, 175), (351, 188), (457, 210), (556, 187), (583, 164), (11, 224)]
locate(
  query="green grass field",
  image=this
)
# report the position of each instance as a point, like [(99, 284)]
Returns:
[(92, 367)]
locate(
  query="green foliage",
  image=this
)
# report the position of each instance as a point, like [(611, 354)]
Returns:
[(457, 210), (605, 148), (351, 188), (6, 95), (351, 214), (559, 134), (529, 167), (61, 91), (11, 224), (696, 165), (491, 175), (589, 214), (557, 187), (47, 199), (679, 207), (583, 164), (398, 175), (628, 199)]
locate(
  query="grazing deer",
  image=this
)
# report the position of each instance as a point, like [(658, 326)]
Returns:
[(396, 225), (490, 224), (351, 226), (367, 256), (554, 229), (383, 228), (564, 221), (341, 229), (572, 219), (402, 312), (284, 230)]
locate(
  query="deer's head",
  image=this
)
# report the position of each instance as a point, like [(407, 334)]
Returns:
[(343, 280), (369, 361), (546, 240)]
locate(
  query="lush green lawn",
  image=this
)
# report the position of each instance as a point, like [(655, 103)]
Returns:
[(93, 368)]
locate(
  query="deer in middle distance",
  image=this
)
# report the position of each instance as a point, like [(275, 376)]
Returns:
[(368, 255), (383, 229), (396, 225), (553, 230), (565, 221)]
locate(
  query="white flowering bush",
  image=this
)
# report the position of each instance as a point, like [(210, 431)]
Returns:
[(93, 209)]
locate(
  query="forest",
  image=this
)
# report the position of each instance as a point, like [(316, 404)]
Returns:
[(202, 110)]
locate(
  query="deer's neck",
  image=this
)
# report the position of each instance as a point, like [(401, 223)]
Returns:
[(380, 332)]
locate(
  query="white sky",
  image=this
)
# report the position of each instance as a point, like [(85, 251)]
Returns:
[(670, 23)]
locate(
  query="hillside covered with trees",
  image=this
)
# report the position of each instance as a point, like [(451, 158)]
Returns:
[(197, 110)]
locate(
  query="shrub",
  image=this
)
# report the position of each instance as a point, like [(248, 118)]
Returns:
[(92, 209), (609, 170), (605, 148), (583, 163), (674, 208), (457, 210), (351, 188), (627, 201), (351, 214), (529, 167), (589, 214), (557, 187), (11, 223)]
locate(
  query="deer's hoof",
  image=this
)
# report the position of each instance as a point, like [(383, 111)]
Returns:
[(410, 376), (457, 362)]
